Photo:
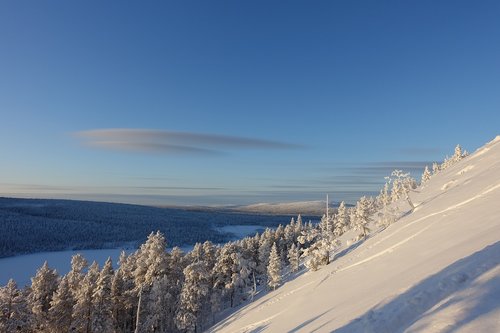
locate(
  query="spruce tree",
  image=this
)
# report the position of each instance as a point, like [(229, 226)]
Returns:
[(274, 269), (43, 286), (82, 310), (426, 175), (61, 308), (293, 258), (194, 290), (102, 306), (15, 315)]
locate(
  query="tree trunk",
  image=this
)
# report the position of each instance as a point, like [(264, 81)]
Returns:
[(137, 318)]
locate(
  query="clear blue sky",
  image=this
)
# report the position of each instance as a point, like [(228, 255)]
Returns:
[(210, 102)]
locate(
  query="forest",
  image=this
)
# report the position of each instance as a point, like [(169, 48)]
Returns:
[(37, 225)]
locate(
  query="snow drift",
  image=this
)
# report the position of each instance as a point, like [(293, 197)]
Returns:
[(437, 269)]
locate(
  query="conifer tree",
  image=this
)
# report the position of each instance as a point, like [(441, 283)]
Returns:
[(76, 274), (274, 269), (435, 168), (293, 258), (15, 315), (102, 306), (82, 310), (341, 219), (226, 272), (194, 290), (426, 175), (43, 286), (458, 155), (362, 216), (61, 308)]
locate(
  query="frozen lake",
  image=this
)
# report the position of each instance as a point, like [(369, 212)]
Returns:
[(241, 231), (22, 268)]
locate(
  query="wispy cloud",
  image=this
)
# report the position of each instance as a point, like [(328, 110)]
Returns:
[(172, 142)]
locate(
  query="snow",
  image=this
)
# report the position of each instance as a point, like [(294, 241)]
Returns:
[(435, 270)]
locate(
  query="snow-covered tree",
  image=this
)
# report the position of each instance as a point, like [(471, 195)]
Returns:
[(61, 308), (15, 315), (102, 306), (458, 155), (403, 184), (151, 260), (341, 219), (118, 297), (265, 244), (293, 258), (76, 274), (195, 288), (158, 307), (82, 310), (124, 294), (298, 226), (426, 175), (274, 269), (435, 168), (226, 272), (43, 286), (362, 216)]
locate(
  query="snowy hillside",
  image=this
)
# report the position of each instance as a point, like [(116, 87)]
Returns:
[(437, 269)]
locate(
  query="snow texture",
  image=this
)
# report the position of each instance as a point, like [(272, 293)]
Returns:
[(437, 269)]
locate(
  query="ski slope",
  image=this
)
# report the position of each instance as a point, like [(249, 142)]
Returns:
[(437, 269)]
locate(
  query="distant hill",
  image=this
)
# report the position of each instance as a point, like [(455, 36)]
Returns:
[(316, 208)]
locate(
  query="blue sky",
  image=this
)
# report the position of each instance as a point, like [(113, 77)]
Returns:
[(210, 102)]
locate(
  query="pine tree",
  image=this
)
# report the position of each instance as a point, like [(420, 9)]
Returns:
[(293, 258), (274, 269), (61, 308), (15, 315), (43, 286)]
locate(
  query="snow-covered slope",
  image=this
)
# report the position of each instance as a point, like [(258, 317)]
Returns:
[(435, 270)]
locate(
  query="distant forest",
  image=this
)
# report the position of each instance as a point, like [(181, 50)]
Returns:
[(35, 225)]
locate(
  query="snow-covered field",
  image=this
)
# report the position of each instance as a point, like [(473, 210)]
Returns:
[(435, 270)]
